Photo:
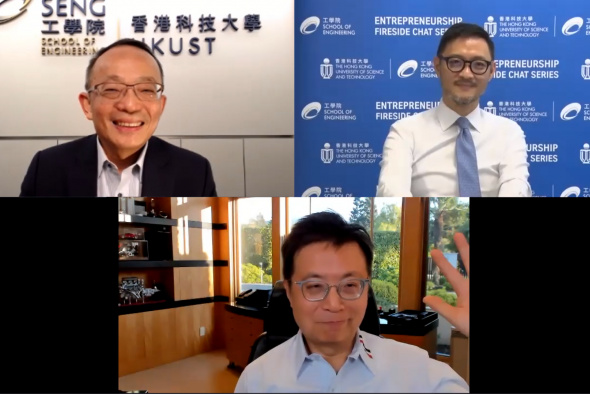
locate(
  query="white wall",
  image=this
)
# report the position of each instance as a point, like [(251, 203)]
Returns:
[(234, 106)]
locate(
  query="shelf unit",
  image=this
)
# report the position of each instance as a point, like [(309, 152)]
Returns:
[(161, 269), (154, 306), (133, 264), (156, 221), (188, 259)]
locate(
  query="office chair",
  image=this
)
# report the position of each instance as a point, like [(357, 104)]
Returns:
[(279, 324)]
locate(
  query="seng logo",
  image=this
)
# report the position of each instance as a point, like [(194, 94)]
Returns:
[(11, 7)]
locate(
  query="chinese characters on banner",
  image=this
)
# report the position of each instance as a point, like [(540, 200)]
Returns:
[(184, 23), (73, 24)]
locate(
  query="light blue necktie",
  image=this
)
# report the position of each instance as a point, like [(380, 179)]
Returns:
[(466, 162)]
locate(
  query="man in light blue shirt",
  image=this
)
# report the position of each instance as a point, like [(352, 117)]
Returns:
[(330, 353)]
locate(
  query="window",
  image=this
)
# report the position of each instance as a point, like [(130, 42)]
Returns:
[(255, 243), (298, 207), (447, 215), (387, 222), (302, 206)]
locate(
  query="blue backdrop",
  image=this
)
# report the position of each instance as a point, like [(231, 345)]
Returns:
[(362, 65)]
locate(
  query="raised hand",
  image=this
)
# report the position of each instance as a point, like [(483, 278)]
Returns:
[(458, 315)]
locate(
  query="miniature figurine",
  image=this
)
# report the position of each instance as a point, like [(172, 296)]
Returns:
[(132, 290)]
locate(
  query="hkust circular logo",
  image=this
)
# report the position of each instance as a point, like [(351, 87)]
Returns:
[(572, 26), (309, 25), (311, 110), (572, 191), (407, 69), (570, 111), (13, 10), (314, 191)]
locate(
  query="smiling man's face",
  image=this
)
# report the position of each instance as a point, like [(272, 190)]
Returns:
[(332, 322), (123, 125), (464, 88)]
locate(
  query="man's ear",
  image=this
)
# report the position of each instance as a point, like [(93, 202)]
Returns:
[(84, 100), (436, 63), (493, 67), (287, 285)]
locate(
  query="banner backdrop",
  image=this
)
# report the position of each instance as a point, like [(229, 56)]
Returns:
[(363, 65)]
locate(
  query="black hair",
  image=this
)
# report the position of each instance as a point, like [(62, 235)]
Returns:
[(124, 41), (324, 227), (464, 30)]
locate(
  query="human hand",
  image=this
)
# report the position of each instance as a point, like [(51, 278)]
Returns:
[(458, 315)]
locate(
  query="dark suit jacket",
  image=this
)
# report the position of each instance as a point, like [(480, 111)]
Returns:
[(70, 170)]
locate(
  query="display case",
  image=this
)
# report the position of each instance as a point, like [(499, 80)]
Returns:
[(131, 249), (132, 290), (189, 285), (146, 258)]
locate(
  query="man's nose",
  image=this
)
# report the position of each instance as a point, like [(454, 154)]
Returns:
[(333, 301), (466, 73), (128, 101)]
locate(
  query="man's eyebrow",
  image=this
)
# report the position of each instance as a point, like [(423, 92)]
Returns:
[(150, 79), (112, 78), (313, 275), (478, 57), (117, 78)]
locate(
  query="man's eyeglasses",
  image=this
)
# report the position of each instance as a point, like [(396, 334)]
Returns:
[(145, 91), (456, 64), (347, 289)]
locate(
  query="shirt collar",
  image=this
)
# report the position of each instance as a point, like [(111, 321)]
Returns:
[(361, 350), (102, 159), (447, 117)]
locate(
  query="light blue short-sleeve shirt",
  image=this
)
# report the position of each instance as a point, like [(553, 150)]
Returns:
[(375, 365)]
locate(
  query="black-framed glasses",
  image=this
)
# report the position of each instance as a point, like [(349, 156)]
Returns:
[(347, 289), (145, 91), (456, 64)]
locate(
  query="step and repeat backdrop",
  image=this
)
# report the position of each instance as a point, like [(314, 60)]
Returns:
[(363, 65)]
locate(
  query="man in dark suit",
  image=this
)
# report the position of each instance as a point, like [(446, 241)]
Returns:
[(124, 100)]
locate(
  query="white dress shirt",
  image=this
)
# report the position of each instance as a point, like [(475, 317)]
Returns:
[(111, 183), (419, 155), (375, 365)]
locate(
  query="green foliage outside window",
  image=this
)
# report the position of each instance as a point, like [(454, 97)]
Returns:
[(251, 274), (386, 239), (385, 294), (256, 249), (447, 216)]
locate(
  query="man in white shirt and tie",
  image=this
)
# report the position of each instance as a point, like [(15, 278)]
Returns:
[(457, 148)]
